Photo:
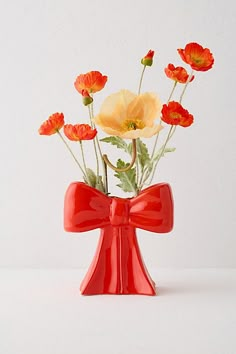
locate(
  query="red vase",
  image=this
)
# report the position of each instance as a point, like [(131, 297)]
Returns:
[(117, 266)]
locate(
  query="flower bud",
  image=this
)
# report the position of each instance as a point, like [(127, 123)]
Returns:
[(87, 99), (148, 59)]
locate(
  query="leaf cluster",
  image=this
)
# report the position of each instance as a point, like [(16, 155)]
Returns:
[(134, 179)]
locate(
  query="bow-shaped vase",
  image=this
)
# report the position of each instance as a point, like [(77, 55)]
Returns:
[(117, 266)]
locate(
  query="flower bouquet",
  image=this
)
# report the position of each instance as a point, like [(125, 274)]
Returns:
[(127, 118)]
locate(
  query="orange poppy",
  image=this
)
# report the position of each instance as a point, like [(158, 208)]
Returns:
[(79, 132), (199, 58), (178, 74), (173, 113), (87, 99), (51, 126), (148, 59), (91, 82)]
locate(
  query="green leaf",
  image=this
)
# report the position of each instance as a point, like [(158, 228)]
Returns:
[(117, 141), (143, 155), (151, 163), (99, 184), (91, 178), (129, 149), (159, 152), (94, 181), (127, 178)]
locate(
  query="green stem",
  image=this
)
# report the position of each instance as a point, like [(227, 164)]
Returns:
[(94, 143), (185, 86), (141, 80), (172, 91), (71, 152), (170, 134), (137, 172), (104, 166), (171, 94), (83, 158), (144, 174), (105, 177), (143, 178), (97, 147), (173, 131), (91, 106), (155, 144), (137, 162)]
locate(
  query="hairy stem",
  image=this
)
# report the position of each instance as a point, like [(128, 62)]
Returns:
[(144, 174), (71, 152), (170, 134), (94, 143), (141, 80), (172, 91), (97, 147), (185, 86), (83, 158)]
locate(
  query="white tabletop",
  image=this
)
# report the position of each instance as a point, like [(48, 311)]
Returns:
[(42, 312)]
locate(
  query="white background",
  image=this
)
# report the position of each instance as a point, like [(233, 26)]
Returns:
[(44, 46)]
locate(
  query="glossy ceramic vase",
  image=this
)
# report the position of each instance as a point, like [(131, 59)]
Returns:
[(117, 266)]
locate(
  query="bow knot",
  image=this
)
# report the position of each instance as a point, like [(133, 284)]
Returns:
[(119, 211)]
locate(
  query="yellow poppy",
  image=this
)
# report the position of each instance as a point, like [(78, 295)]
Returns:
[(130, 116)]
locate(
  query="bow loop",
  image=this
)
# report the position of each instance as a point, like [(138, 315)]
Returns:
[(152, 209), (85, 208)]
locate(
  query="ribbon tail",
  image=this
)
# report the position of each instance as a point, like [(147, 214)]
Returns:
[(118, 267)]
